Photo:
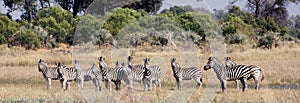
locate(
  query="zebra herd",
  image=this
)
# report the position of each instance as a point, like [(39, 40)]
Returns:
[(146, 74)]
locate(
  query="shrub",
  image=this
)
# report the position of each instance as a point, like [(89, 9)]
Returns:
[(236, 39), (265, 42), (27, 39)]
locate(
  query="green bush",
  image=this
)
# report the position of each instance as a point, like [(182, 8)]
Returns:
[(8, 27), (120, 17), (236, 39), (265, 42), (2, 39), (28, 39), (59, 23)]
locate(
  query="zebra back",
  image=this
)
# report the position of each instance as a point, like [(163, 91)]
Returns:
[(48, 72), (66, 73)]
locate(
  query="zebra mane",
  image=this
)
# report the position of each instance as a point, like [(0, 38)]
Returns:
[(217, 62)]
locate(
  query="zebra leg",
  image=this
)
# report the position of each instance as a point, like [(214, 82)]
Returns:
[(237, 84), (256, 83), (145, 84), (154, 83), (108, 84), (61, 83), (149, 85), (159, 84), (178, 83), (64, 84), (244, 83), (116, 85), (199, 81), (48, 85), (223, 84), (99, 84), (95, 83), (68, 85)]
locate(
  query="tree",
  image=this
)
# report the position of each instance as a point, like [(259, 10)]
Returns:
[(89, 30), (59, 23), (179, 9), (150, 6), (270, 8), (121, 17), (27, 38), (8, 28), (75, 6), (28, 7)]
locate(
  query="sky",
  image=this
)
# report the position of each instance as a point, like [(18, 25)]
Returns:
[(221, 4), (209, 4)]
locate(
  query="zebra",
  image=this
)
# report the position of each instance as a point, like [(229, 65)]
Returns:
[(185, 74), (229, 64), (67, 74), (241, 72), (49, 73), (155, 71), (136, 71), (147, 75), (113, 74), (90, 74)]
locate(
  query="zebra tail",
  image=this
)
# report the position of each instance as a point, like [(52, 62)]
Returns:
[(262, 74)]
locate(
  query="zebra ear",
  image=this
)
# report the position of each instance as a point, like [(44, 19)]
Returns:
[(76, 61), (130, 57), (227, 58), (173, 59), (41, 60), (148, 59), (210, 58)]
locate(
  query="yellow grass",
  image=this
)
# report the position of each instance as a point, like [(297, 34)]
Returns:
[(21, 81)]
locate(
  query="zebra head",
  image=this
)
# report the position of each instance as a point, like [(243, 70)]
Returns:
[(174, 64), (130, 58), (102, 63), (118, 64), (101, 58), (42, 65), (146, 62), (229, 63), (59, 69), (210, 63), (147, 72), (76, 65)]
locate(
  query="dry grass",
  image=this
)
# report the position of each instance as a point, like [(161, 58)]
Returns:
[(21, 81)]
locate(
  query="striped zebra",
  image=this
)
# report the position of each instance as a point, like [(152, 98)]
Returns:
[(229, 64), (185, 73), (67, 74), (90, 74), (155, 71), (136, 73), (241, 72), (113, 74), (147, 75), (49, 73)]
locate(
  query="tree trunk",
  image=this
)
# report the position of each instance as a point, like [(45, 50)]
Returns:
[(75, 8), (28, 4)]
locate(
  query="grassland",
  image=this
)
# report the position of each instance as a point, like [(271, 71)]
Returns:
[(20, 80)]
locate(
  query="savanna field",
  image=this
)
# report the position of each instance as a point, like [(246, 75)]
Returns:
[(20, 80)]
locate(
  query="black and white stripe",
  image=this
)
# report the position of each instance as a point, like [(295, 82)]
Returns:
[(49, 73), (90, 74), (241, 72), (229, 64), (67, 74), (185, 73), (155, 77), (113, 74)]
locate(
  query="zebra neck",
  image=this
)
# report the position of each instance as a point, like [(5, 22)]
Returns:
[(219, 70)]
